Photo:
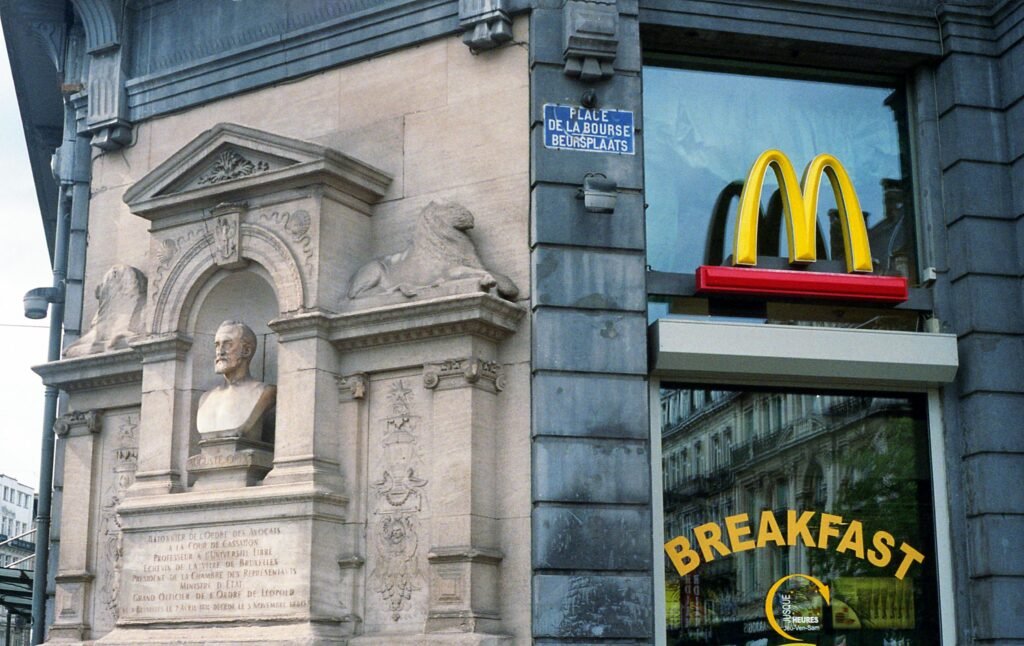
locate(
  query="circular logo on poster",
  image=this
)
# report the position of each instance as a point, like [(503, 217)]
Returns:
[(798, 609)]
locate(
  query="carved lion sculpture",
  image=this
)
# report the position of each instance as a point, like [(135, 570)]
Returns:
[(122, 297), (441, 251)]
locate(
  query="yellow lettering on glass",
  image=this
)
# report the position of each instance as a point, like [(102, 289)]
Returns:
[(739, 530), (800, 208)]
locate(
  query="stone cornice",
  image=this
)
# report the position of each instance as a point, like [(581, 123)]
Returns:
[(478, 314), (302, 326), (163, 347), (102, 370)]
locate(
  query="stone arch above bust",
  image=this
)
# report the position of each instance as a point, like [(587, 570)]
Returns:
[(184, 280)]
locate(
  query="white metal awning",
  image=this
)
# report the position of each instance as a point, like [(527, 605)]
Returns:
[(789, 355)]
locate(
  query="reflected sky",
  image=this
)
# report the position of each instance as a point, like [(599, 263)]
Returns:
[(703, 130)]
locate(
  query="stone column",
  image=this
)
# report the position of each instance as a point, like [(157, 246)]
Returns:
[(77, 430), (166, 414), (306, 444), (463, 559)]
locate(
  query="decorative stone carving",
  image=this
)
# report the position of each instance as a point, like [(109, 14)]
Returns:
[(441, 251), (119, 318), (230, 164), (485, 23), (352, 386), (226, 224), (126, 455), (77, 423), (590, 38), (232, 416), (458, 373), (297, 225), (400, 494)]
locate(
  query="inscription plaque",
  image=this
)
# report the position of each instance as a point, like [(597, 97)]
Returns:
[(222, 572)]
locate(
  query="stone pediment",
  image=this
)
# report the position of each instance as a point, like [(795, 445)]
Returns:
[(231, 162)]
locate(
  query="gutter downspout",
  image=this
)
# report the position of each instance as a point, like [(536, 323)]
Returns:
[(42, 554)]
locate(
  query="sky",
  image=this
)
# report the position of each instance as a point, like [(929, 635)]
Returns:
[(24, 264)]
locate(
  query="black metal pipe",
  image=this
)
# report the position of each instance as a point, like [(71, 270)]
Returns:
[(42, 554)]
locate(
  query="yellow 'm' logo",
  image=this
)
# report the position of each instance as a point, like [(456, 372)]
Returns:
[(800, 206)]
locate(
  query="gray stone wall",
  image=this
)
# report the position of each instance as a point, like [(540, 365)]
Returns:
[(591, 458), (979, 103)]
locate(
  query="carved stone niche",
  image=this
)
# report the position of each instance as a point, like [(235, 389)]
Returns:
[(237, 202)]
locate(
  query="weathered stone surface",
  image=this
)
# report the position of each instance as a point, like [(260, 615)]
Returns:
[(600, 471), (590, 341), (607, 607), (591, 538), (590, 406)]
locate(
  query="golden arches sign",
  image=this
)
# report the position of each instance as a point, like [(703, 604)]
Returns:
[(800, 207)]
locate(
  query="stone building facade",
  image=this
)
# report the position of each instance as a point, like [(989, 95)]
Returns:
[(462, 309)]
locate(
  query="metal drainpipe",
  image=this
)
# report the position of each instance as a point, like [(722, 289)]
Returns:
[(40, 576)]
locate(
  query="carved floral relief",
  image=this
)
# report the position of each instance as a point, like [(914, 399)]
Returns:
[(230, 165), (400, 492), (124, 459)]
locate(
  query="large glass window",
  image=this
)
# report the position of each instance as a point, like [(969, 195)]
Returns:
[(824, 516), (704, 129)]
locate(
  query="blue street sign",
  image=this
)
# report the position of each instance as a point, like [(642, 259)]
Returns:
[(569, 127)]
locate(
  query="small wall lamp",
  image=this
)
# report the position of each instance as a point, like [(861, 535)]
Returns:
[(37, 300), (598, 193)]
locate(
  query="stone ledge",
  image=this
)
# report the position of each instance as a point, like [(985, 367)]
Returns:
[(93, 371), (326, 631), (246, 504), (478, 314)]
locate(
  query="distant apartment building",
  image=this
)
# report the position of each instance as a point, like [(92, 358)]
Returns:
[(16, 512), (17, 546)]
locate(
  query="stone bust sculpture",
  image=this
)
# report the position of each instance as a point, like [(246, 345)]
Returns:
[(237, 407)]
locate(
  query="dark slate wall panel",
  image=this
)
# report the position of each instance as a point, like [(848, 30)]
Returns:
[(615, 538), (983, 246), (988, 304), (999, 615), (589, 341), (592, 607), (992, 422), (994, 483), (990, 363), (559, 218), (589, 279), (975, 188), (969, 81), (590, 406), (992, 550), (591, 470)]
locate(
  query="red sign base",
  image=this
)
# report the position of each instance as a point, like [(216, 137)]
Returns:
[(801, 284)]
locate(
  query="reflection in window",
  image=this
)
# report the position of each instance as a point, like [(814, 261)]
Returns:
[(861, 458), (705, 129)]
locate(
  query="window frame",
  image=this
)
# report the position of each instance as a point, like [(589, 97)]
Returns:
[(940, 496), (664, 284)]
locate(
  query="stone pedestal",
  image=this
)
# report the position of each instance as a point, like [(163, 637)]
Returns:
[(228, 462)]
